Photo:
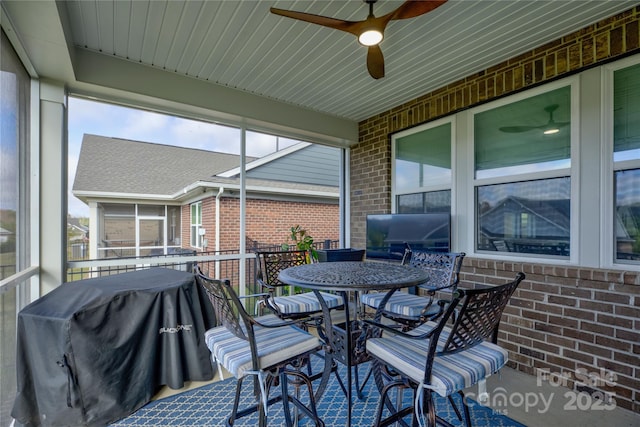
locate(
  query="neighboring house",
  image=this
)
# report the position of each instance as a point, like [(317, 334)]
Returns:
[(150, 199), (517, 224), (77, 239), (4, 235), (76, 229)]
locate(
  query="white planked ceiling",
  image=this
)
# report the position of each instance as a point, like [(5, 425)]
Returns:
[(241, 45)]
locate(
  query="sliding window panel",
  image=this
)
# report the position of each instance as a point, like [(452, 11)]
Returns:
[(527, 136), (532, 217), (422, 173), (522, 169), (626, 157)]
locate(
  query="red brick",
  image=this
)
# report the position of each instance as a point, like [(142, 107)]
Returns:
[(612, 297), (613, 343), (579, 313), (578, 335), (598, 351), (588, 311), (615, 321), (572, 302)]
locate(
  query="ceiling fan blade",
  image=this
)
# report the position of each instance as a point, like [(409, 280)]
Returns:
[(518, 129), (375, 62), (337, 24), (413, 8), (375, 59)]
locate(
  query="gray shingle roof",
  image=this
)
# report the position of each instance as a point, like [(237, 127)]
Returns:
[(123, 166)]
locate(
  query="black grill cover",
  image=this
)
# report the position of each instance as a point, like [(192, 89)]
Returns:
[(93, 351)]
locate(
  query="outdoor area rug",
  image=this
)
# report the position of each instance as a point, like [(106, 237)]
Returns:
[(210, 405)]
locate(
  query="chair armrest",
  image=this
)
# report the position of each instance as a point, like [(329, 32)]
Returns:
[(395, 331), (424, 316), (295, 322), (262, 294), (265, 285)]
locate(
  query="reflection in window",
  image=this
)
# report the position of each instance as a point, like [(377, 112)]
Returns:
[(527, 136), (423, 159), (626, 113), (429, 202), (14, 173), (525, 217), (626, 138), (627, 217), (15, 193), (422, 171)]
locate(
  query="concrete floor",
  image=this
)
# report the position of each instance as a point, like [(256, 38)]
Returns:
[(539, 404)]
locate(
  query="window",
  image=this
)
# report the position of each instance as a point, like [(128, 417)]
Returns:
[(14, 173), (522, 157), (196, 225), (525, 217), (626, 156), (527, 136), (127, 230), (15, 193), (422, 169)]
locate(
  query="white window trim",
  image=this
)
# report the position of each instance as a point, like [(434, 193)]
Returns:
[(572, 172), (198, 239), (427, 188), (607, 253)]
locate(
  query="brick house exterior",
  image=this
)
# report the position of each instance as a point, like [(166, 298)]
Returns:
[(267, 221), (129, 174), (561, 318)]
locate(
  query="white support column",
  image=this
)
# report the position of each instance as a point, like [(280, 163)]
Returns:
[(586, 160), (53, 185)]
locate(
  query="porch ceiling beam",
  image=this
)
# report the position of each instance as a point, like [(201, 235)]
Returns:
[(231, 106)]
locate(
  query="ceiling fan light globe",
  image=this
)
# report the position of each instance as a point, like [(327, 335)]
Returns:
[(370, 37)]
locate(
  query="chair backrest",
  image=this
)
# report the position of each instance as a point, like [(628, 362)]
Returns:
[(270, 264), (443, 267), (226, 304), (478, 315), (346, 254)]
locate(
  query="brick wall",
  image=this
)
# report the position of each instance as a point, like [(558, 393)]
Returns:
[(570, 321), (267, 221), (561, 319)]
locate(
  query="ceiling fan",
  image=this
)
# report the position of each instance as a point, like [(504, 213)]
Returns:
[(370, 31), (548, 128)]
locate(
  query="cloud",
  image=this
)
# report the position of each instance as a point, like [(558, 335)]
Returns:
[(205, 136), (100, 118)]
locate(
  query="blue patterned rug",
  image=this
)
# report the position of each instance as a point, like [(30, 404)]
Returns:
[(210, 405)]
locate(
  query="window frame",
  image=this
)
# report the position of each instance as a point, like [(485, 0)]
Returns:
[(572, 172), (195, 227), (608, 257), (451, 120)]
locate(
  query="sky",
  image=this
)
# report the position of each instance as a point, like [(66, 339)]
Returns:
[(98, 118)]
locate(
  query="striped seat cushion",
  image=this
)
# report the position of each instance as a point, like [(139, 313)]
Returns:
[(402, 303), (274, 345), (450, 373), (306, 302)]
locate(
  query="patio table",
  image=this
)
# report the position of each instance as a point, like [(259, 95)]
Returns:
[(349, 277)]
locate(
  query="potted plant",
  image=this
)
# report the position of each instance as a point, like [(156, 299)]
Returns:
[(302, 242)]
